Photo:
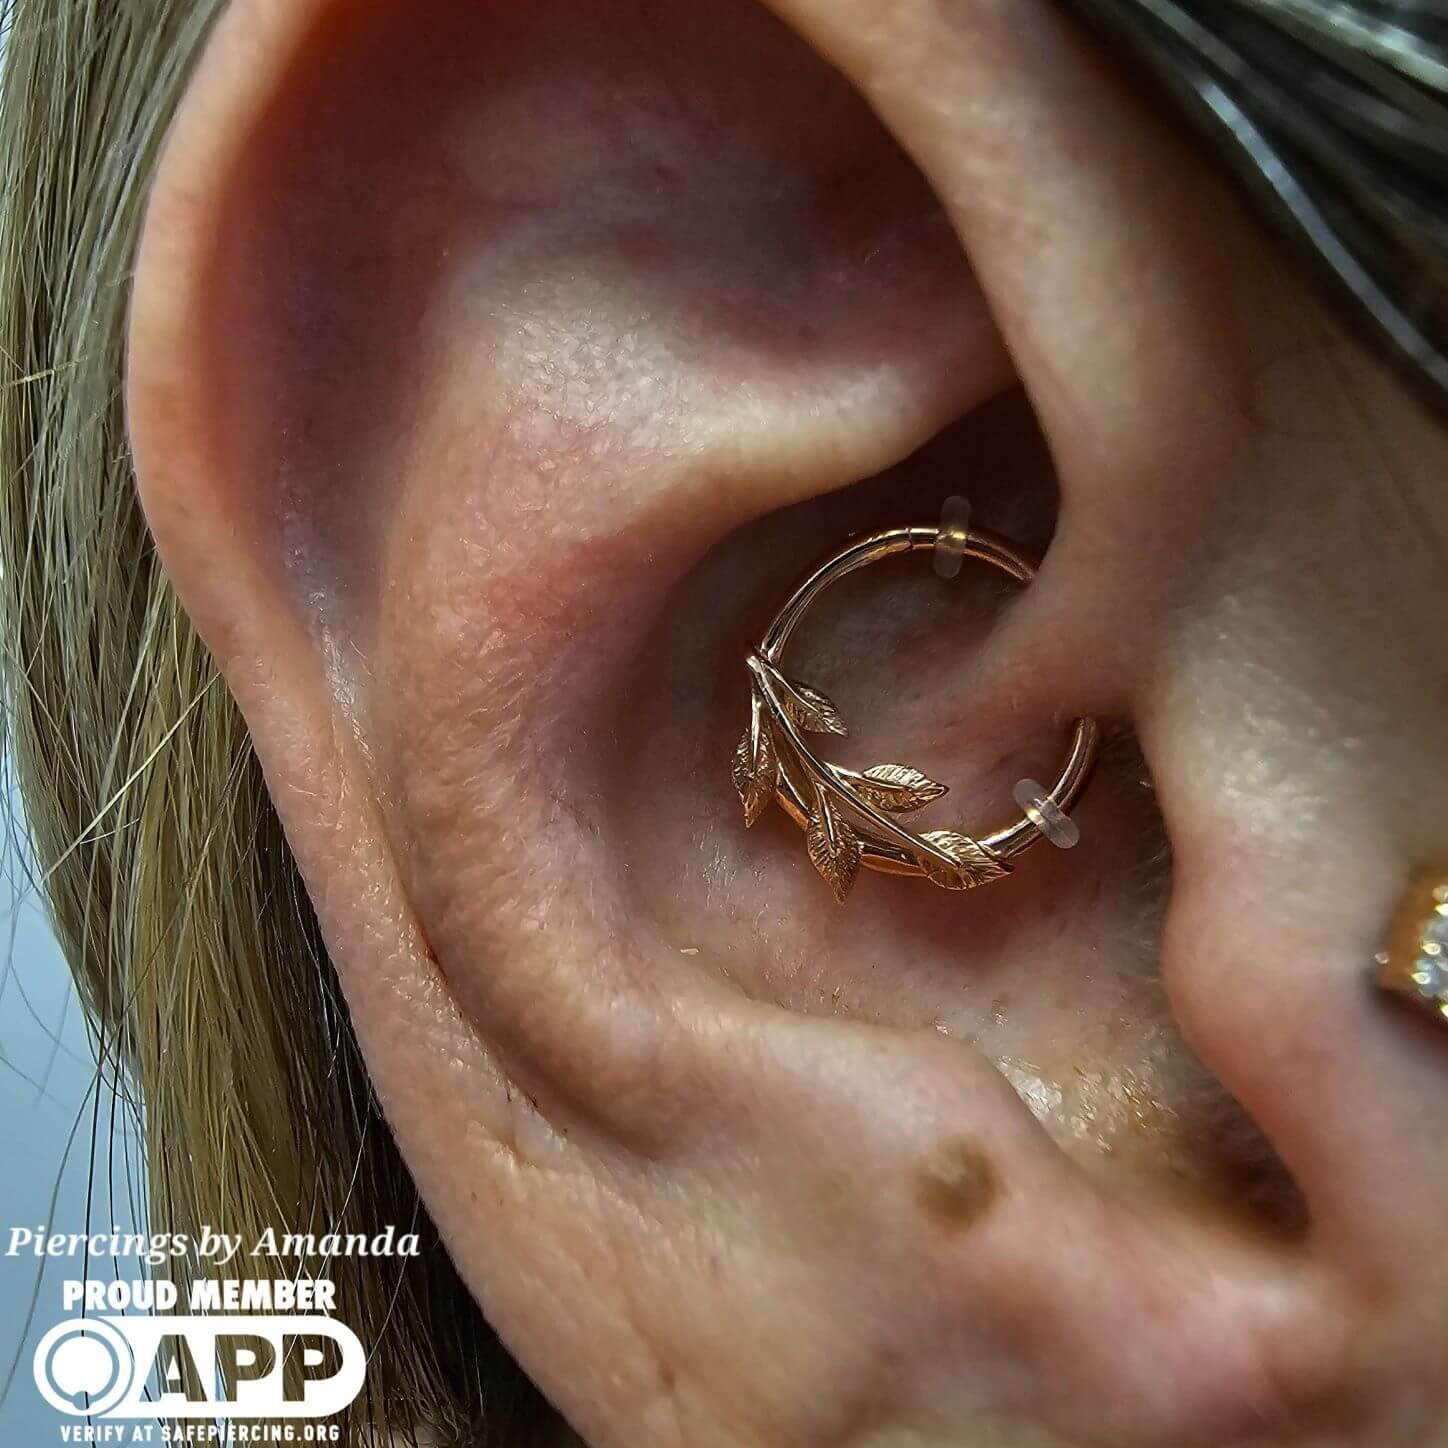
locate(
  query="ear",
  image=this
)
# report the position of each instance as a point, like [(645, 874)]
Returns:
[(478, 355)]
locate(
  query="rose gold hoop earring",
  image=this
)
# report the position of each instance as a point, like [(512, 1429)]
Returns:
[(853, 818), (1415, 964)]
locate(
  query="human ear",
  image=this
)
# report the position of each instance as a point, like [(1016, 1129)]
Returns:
[(490, 372)]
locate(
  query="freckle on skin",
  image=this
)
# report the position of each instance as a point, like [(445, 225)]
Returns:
[(956, 1186)]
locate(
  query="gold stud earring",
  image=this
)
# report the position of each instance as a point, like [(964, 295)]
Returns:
[(1415, 963)]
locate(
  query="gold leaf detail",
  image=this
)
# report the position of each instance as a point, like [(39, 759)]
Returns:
[(756, 771), (973, 863), (812, 710), (897, 788), (834, 848)]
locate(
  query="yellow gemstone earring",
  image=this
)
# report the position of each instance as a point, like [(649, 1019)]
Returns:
[(1415, 963)]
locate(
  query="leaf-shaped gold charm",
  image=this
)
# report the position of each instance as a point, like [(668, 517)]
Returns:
[(756, 768), (810, 709), (973, 863), (897, 788), (833, 847)]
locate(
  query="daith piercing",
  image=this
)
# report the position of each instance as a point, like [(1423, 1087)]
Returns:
[(853, 818)]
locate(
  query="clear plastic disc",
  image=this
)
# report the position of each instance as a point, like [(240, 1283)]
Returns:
[(1047, 816)]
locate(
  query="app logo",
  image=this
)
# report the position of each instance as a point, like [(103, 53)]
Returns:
[(200, 1367)]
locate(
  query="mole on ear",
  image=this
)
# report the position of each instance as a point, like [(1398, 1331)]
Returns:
[(956, 1185)]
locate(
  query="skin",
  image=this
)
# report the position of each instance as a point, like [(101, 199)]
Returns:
[(492, 376)]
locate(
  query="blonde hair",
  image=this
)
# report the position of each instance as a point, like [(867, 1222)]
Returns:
[(171, 888)]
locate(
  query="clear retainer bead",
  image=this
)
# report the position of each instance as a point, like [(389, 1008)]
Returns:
[(1047, 816), (954, 539)]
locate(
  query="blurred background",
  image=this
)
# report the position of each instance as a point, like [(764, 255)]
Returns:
[(67, 1148)]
